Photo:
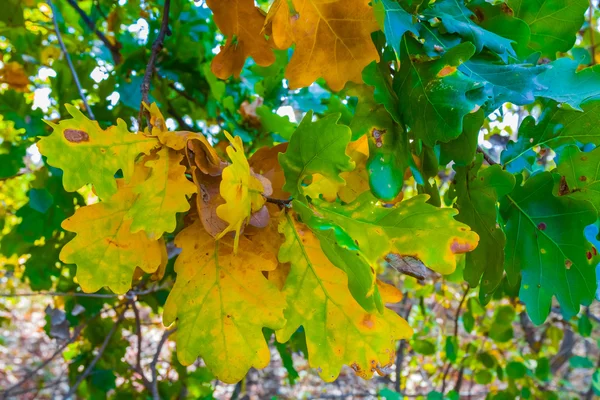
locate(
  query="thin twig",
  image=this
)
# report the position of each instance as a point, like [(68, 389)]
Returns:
[(456, 317), (486, 157), (156, 47), (138, 332), (164, 338), (61, 294), (101, 350), (114, 49), (68, 58), (402, 347)]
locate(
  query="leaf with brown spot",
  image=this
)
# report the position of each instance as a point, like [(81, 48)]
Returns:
[(553, 261), (581, 172), (221, 302), (409, 228), (242, 23), (338, 330), (333, 42), (104, 249), (89, 154)]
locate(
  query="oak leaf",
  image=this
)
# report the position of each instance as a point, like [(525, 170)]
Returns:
[(338, 330), (241, 189), (89, 154), (222, 302), (409, 228), (333, 41), (161, 196), (278, 24), (242, 23), (105, 251)]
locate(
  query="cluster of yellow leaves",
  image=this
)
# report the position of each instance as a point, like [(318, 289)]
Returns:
[(245, 265), (332, 38)]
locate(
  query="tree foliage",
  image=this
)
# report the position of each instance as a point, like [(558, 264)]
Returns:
[(259, 172)]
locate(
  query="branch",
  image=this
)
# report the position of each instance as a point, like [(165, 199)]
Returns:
[(101, 350), (164, 338), (486, 157), (138, 359), (68, 58), (456, 317), (402, 347), (156, 47), (61, 294), (280, 203), (114, 50)]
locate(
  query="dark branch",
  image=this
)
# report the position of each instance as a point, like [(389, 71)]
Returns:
[(68, 58), (156, 47), (280, 203), (162, 342), (486, 157), (114, 50)]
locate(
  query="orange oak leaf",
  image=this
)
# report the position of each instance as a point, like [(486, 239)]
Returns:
[(333, 41), (242, 23)]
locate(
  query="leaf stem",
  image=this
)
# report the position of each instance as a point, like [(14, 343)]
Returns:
[(68, 58)]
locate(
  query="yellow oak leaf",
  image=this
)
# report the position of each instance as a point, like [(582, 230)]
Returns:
[(241, 189), (242, 23), (201, 152), (278, 24), (105, 251), (356, 181), (338, 330), (161, 196), (89, 154), (333, 41), (222, 302)]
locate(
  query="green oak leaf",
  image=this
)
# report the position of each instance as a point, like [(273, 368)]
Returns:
[(456, 18), (556, 127), (436, 96), (11, 159), (553, 23), (462, 149), (272, 122), (88, 154), (343, 253), (409, 228), (395, 22), (378, 76), (547, 247), (499, 20), (512, 83), (564, 83), (478, 191), (389, 152), (316, 147), (582, 173)]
